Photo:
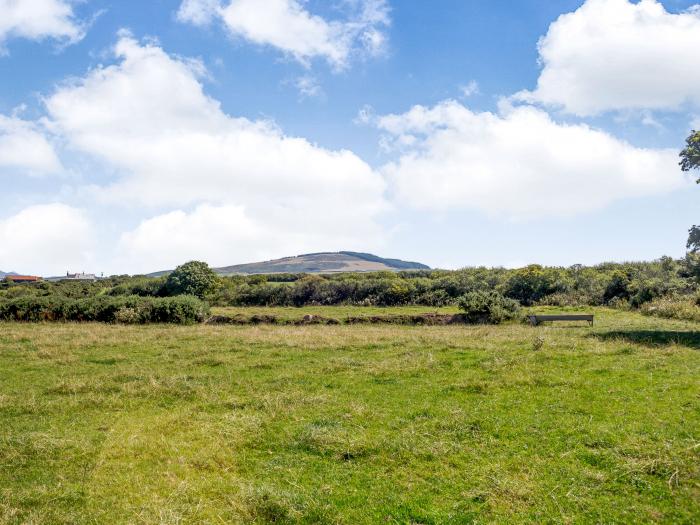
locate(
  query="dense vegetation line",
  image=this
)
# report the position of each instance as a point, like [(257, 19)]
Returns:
[(620, 285)]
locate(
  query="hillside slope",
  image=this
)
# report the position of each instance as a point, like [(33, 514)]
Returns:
[(330, 262)]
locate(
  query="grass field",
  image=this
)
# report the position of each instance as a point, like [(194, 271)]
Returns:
[(289, 313), (351, 424)]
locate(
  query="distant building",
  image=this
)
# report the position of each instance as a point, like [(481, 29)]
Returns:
[(79, 277), (22, 278)]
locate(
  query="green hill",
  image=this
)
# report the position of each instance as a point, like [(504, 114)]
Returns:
[(323, 262), (326, 262)]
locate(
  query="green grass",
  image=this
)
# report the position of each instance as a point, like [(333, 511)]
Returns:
[(289, 313), (351, 424)]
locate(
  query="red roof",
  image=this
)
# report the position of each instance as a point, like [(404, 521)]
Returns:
[(29, 278)]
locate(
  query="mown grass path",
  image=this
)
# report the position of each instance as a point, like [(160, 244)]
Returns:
[(351, 424)]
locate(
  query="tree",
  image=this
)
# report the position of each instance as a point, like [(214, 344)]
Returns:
[(694, 239), (690, 155), (192, 278), (690, 159)]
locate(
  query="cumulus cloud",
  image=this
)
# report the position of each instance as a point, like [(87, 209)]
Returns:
[(517, 164), (46, 239), (618, 55), (25, 149), (288, 26), (38, 20), (181, 150), (221, 235)]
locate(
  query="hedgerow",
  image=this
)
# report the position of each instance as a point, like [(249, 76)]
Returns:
[(631, 284), (107, 309)]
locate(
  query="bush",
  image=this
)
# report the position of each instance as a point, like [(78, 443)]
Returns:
[(192, 278), (572, 298), (127, 315), (618, 288), (106, 309), (144, 286), (488, 307), (673, 308), (529, 285), (182, 310)]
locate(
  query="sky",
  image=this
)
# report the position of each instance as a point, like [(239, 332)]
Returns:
[(135, 136)]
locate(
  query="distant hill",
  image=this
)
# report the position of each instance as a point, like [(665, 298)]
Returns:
[(327, 262), (5, 274)]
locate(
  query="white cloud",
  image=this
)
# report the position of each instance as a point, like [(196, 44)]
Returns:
[(618, 55), (308, 87), (199, 12), (470, 89), (182, 150), (288, 26), (46, 239), (220, 235), (211, 233), (25, 149), (38, 20), (518, 164)]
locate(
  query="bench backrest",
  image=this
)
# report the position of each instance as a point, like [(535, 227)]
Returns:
[(564, 317)]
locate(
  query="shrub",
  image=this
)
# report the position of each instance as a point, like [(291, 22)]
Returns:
[(618, 287), (571, 298), (182, 310), (127, 315), (144, 286), (192, 278), (673, 308), (529, 285), (106, 309), (488, 307)]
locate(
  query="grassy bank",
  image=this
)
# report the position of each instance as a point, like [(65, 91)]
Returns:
[(351, 424)]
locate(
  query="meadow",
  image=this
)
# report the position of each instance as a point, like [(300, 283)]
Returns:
[(108, 423)]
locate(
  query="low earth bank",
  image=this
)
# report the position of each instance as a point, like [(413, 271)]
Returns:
[(430, 319)]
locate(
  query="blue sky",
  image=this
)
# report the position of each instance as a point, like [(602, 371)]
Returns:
[(137, 135)]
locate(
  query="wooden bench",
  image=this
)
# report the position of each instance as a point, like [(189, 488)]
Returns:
[(537, 319)]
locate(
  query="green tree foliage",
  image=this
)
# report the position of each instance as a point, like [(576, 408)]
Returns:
[(690, 159), (192, 278), (529, 285), (690, 155), (694, 239)]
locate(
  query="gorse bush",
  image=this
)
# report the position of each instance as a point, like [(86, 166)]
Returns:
[(488, 307), (126, 309)]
